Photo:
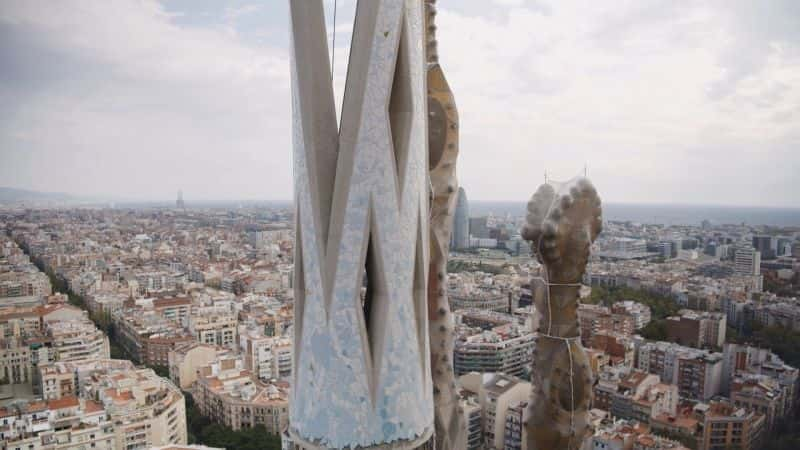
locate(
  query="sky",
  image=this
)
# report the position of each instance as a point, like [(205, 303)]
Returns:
[(665, 101)]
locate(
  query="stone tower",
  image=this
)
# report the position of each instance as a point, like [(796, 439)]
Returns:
[(362, 357), (563, 221), (451, 431)]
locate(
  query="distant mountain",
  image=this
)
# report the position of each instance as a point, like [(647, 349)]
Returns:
[(13, 195)]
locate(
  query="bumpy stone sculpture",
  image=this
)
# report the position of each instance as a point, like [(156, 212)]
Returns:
[(562, 222), (443, 152)]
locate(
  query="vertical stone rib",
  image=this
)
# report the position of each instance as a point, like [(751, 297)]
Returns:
[(353, 106), (311, 78), (442, 155)]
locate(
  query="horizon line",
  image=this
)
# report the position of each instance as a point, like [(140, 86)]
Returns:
[(89, 199)]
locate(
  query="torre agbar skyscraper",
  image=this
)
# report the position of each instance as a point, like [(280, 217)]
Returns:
[(362, 356)]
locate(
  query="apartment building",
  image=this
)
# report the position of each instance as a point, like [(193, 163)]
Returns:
[(214, 329), (257, 352), (500, 397), (282, 358), (155, 351), (29, 283), (697, 329), (106, 304), (629, 435), (607, 385), (598, 359), (68, 423), (19, 321), (698, 373), (176, 309), (641, 396), (618, 346), (134, 326), (77, 340), (266, 357), (515, 433), (185, 360), (640, 313), (147, 410), (473, 418), (506, 349), (593, 319), (761, 394), (726, 426), (227, 393), (63, 379), (700, 376), (744, 360), (274, 321), (41, 336)]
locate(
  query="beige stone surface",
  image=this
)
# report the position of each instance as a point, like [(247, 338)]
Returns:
[(563, 220), (443, 153)]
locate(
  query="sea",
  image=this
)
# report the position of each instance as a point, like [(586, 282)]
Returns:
[(672, 214), (668, 214)]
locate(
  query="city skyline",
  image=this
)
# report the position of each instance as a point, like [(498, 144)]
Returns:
[(693, 102), (354, 263)]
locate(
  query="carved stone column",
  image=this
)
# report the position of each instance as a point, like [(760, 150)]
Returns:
[(443, 152), (563, 220)]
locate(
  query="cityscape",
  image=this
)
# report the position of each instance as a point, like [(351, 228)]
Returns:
[(341, 280), (139, 328)]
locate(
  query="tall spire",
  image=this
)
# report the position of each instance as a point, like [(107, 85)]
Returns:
[(443, 154), (361, 371)]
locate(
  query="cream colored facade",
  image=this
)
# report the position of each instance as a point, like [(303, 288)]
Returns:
[(65, 424), (137, 410), (146, 409), (282, 358), (227, 393), (215, 329), (18, 321), (267, 357), (496, 394), (56, 383), (78, 341), (40, 335), (186, 360), (63, 379)]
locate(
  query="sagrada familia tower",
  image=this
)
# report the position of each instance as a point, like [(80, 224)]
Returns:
[(375, 196), (362, 356), (563, 221)]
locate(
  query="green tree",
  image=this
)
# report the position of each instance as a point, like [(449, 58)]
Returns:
[(203, 431), (656, 330), (660, 306)]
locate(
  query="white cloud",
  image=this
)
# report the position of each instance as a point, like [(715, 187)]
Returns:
[(666, 101), (629, 93), (157, 107)]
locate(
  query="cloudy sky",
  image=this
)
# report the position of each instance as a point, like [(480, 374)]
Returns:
[(666, 101)]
